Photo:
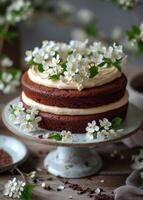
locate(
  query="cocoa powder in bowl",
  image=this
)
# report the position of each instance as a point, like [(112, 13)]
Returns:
[(5, 158)]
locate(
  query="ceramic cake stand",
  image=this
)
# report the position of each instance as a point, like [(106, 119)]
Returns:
[(74, 159)]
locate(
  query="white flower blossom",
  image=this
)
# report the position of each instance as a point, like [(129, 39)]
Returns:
[(18, 10), (27, 119), (14, 188), (132, 44), (90, 136), (85, 16), (29, 56), (108, 134), (6, 62), (1, 85), (102, 132), (114, 53), (105, 123), (66, 136), (6, 77), (96, 47), (29, 123), (77, 70), (65, 7), (78, 34), (117, 33), (102, 135), (78, 46), (128, 3), (8, 82), (71, 63), (92, 127), (63, 51)]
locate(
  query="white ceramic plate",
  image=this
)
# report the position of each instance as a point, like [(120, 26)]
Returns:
[(15, 148)]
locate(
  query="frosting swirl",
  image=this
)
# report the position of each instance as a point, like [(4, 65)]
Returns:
[(75, 111), (104, 76)]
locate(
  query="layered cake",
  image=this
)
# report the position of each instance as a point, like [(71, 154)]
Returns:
[(75, 83)]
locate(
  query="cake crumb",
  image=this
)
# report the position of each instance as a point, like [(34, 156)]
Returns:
[(60, 188), (43, 185), (39, 169), (98, 191)]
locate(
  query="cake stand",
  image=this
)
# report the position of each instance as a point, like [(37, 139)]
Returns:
[(74, 159)]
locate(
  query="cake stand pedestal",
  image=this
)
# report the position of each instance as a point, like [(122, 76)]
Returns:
[(74, 159), (73, 162)]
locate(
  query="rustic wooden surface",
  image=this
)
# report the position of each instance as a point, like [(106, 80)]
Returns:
[(112, 175)]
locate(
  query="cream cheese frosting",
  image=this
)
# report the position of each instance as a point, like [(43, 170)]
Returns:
[(104, 76), (77, 111)]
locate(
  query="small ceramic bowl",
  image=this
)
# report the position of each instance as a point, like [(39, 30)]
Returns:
[(16, 149), (136, 90)]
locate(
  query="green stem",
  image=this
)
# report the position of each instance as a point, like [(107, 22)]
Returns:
[(22, 175)]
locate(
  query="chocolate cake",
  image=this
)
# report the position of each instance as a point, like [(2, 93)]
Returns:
[(67, 100)]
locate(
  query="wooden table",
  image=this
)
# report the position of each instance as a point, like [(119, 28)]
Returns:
[(112, 175)]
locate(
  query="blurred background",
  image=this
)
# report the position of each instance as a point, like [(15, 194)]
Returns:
[(24, 24)]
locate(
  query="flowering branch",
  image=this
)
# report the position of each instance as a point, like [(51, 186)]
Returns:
[(26, 119), (106, 130), (127, 4), (22, 175), (11, 12), (64, 136), (135, 37), (74, 62)]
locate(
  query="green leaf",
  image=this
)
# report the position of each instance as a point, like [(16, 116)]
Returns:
[(93, 71), (102, 64), (56, 136), (140, 46), (135, 31), (64, 66), (40, 67), (91, 29), (31, 62), (26, 194), (55, 77), (7, 35), (116, 122), (117, 65), (15, 72)]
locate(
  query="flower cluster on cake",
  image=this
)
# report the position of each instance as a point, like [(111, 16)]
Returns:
[(75, 83)]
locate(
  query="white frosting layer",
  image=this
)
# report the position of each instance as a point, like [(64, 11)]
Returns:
[(75, 111), (104, 76)]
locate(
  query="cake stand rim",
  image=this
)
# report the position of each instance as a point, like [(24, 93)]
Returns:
[(17, 132)]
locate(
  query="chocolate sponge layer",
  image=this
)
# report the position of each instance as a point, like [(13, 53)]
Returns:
[(76, 124), (87, 98)]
